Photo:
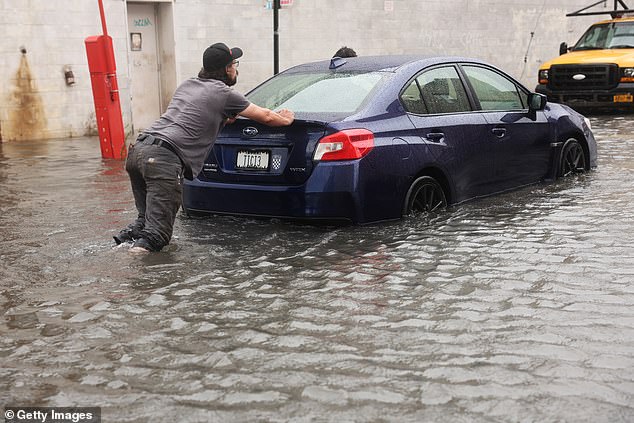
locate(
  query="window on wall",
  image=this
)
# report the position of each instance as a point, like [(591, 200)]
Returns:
[(495, 91), (442, 91)]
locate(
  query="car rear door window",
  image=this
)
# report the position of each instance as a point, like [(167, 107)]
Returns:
[(412, 99), (493, 90), (442, 91)]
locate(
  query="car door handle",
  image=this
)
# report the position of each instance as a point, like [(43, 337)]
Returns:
[(435, 136), (499, 132)]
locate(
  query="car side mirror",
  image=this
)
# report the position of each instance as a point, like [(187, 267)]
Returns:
[(563, 48), (536, 101)]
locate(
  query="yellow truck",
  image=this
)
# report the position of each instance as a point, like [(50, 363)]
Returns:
[(598, 71)]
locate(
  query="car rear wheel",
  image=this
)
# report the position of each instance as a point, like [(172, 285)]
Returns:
[(425, 196), (573, 159)]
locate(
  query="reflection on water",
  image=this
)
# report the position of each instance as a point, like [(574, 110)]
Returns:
[(513, 308)]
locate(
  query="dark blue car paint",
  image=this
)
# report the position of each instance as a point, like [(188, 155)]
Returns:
[(295, 167), (472, 154)]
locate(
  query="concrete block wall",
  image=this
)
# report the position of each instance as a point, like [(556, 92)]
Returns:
[(494, 30), (35, 102)]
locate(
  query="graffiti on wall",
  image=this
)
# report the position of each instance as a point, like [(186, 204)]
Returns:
[(142, 22)]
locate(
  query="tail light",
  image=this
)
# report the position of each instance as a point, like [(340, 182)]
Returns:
[(348, 144)]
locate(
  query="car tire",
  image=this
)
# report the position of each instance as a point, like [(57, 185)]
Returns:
[(424, 196), (573, 159)]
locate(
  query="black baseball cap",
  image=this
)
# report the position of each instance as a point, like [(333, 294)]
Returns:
[(218, 55)]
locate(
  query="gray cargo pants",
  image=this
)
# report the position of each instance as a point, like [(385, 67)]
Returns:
[(156, 175)]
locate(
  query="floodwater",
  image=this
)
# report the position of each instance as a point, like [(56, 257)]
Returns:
[(516, 308)]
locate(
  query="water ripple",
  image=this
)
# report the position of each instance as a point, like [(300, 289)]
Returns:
[(512, 308)]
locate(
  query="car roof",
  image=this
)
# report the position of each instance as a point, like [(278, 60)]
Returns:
[(386, 63)]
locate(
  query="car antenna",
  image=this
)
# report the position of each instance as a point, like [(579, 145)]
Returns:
[(615, 12), (337, 62)]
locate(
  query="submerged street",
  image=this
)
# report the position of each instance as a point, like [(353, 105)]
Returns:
[(518, 307)]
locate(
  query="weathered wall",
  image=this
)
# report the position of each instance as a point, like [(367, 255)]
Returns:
[(35, 102), (52, 33)]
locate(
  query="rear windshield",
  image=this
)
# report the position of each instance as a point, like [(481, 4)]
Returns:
[(317, 94)]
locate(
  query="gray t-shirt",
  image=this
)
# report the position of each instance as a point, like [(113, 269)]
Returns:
[(194, 117)]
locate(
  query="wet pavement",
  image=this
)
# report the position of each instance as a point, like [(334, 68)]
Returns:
[(513, 308)]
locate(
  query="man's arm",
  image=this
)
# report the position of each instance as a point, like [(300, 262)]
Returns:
[(268, 117)]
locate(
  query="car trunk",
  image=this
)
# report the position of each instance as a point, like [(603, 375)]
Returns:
[(253, 153)]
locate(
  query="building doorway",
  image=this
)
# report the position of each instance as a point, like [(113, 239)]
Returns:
[(151, 60)]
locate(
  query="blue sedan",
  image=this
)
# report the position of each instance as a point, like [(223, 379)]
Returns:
[(376, 138)]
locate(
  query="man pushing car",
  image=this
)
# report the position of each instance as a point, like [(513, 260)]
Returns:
[(176, 145)]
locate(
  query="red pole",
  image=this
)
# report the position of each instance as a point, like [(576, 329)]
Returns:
[(103, 18), (105, 89)]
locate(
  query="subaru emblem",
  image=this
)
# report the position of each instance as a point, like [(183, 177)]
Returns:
[(250, 131), (579, 77)]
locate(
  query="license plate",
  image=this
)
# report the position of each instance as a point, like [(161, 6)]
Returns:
[(624, 98), (253, 160)]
